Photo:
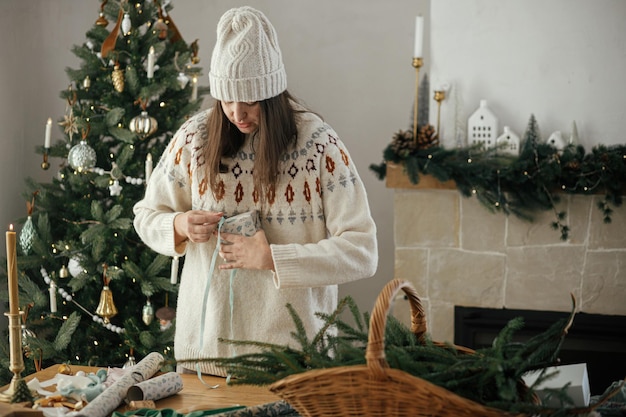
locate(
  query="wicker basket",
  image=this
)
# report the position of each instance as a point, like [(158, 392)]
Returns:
[(375, 389)]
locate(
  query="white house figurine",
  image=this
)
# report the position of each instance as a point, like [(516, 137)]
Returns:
[(482, 127), (556, 140), (508, 143)]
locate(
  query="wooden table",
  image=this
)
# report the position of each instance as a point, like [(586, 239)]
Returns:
[(194, 395)]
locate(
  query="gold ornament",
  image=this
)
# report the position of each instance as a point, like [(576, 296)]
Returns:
[(64, 369), (160, 28), (143, 125), (87, 82), (106, 308), (102, 21), (147, 313), (64, 272), (118, 78)]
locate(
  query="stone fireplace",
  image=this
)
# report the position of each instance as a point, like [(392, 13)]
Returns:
[(457, 253)]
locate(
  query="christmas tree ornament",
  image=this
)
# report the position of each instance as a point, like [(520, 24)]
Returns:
[(147, 313), (160, 28), (106, 308), (64, 272), (194, 52), (70, 127), (27, 236), (126, 25), (109, 43), (27, 337), (82, 157), (118, 78), (131, 360), (74, 267), (165, 315), (143, 125), (28, 232), (101, 20), (115, 189), (182, 80), (86, 82)]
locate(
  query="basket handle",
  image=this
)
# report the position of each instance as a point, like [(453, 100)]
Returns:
[(375, 352)]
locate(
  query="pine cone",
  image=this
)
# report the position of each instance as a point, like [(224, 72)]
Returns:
[(426, 137), (118, 79), (402, 143)]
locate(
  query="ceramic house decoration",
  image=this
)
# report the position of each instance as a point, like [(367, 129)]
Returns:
[(508, 143), (556, 140), (482, 127)]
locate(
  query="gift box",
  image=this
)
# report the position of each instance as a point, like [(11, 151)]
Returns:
[(575, 374)]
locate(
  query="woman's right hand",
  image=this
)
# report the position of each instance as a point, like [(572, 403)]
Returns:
[(195, 225)]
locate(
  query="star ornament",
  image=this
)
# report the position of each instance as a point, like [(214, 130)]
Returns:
[(115, 188), (69, 124)]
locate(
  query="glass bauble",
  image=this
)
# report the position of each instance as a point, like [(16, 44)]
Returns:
[(82, 157), (143, 125)]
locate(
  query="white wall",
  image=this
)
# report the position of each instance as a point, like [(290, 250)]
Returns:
[(561, 60)]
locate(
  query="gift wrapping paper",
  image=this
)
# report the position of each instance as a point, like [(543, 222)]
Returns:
[(105, 403)]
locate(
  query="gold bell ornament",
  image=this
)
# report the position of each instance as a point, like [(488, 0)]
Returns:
[(106, 308)]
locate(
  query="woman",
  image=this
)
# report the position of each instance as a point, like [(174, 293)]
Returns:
[(257, 152)]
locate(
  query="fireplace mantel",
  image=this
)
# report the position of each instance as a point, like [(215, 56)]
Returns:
[(458, 253)]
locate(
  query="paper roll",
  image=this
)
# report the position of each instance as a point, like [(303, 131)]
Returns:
[(156, 388), (104, 404)]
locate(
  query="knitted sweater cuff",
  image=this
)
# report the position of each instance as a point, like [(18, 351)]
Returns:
[(286, 265)]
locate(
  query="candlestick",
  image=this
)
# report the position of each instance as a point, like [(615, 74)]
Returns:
[(15, 334), (417, 63), (440, 95), (12, 271), (148, 167), (419, 37), (151, 57), (46, 143)]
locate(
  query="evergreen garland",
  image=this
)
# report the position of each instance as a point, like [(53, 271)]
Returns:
[(490, 376), (521, 185)]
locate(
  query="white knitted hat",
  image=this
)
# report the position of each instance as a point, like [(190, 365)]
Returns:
[(246, 64)]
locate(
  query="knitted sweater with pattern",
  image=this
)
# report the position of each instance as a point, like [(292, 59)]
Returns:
[(318, 224)]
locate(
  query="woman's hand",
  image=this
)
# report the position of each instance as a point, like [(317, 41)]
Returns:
[(246, 252), (195, 225)]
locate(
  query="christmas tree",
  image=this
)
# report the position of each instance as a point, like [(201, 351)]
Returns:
[(88, 285)]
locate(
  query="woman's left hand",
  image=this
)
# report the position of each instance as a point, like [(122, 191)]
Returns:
[(241, 252)]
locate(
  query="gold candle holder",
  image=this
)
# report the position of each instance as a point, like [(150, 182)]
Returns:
[(417, 64), (45, 164), (440, 95), (16, 359)]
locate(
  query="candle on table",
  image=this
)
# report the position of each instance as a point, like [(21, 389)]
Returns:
[(12, 271), (151, 57), (419, 34), (46, 143)]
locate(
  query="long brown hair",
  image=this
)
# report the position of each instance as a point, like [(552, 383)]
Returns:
[(277, 131)]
